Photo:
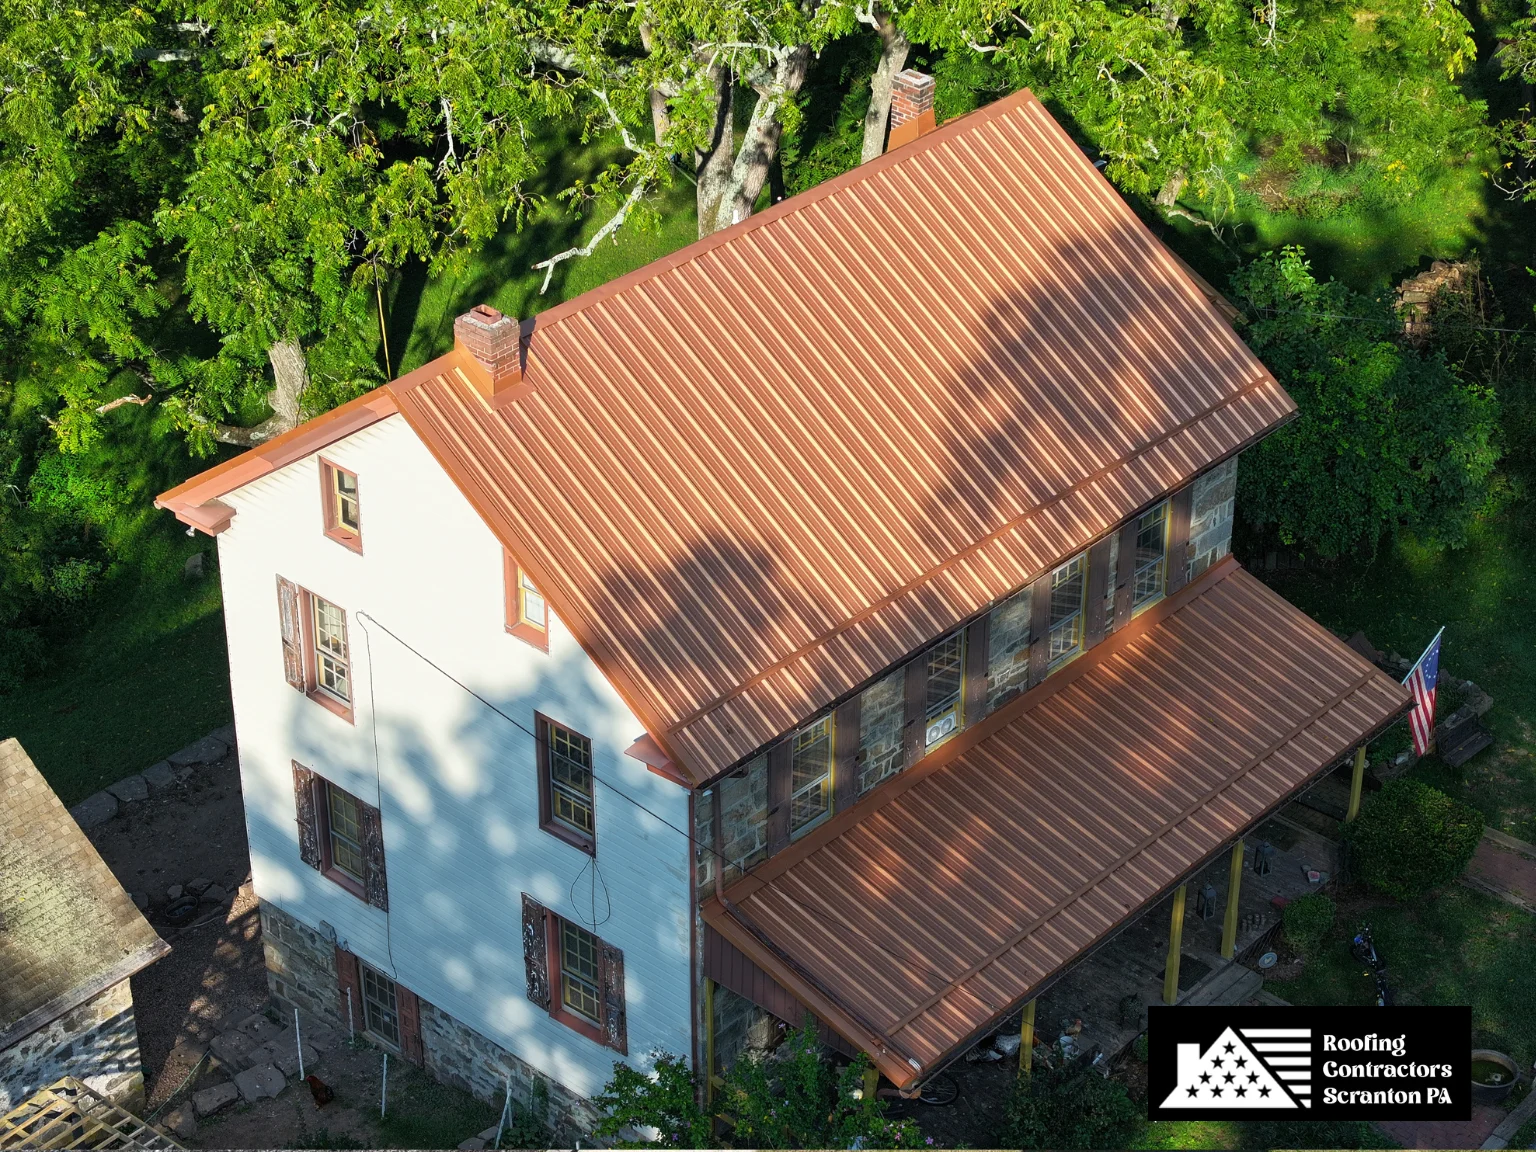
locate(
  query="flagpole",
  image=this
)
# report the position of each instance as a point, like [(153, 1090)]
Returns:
[(1423, 654)]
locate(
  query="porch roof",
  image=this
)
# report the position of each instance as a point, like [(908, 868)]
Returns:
[(914, 921)]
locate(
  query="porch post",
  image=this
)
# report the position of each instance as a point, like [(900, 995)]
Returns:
[(1354, 785), (1027, 1040), (1175, 942), (709, 1041), (871, 1082), (1234, 884)]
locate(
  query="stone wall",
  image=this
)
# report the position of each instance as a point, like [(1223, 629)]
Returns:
[(97, 1043), (301, 968), (880, 722), (1008, 648), (1210, 518), (740, 1026), (743, 822), (460, 1056)]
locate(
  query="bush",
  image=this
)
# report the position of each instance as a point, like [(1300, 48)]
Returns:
[(1307, 922), (796, 1099), (1069, 1106), (1411, 838)]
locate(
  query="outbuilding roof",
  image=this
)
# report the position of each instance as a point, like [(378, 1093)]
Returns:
[(914, 921), (68, 931), (754, 474)]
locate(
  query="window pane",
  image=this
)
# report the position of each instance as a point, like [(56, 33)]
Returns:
[(579, 972), (810, 775), (1067, 588), (946, 669), (346, 499), (346, 834), (379, 1015), (331, 671), (1008, 647), (1109, 584), (570, 778), (533, 607), (1151, 555)]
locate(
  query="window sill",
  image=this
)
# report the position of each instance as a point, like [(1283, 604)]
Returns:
[(575, 839), (342, 880), (352, 541), (579, 1024), (528, 634), (331, 704)]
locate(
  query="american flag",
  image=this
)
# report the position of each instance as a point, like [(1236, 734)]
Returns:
[(1421, 682)]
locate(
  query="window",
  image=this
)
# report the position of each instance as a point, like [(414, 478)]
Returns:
[(527, 610), (579, 988), (332, 672), (346, 836), (565, 785), (1068, 587), (1151, 576), (943, 687), (340, 836), (338, 491), (381, 1017), (574, 976), (810, 776)]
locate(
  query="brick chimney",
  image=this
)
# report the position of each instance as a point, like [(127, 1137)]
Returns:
[(911, 108), (492, 344)]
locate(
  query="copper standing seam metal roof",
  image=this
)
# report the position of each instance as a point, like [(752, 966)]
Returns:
[(756, 473), (923, 915)]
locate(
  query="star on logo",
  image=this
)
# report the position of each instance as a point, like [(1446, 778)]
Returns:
[(1264, 1091), (1217, 1091), (1228, 1048), (1194, 1091), (1241, 1061), (1242, 1091), (1228, 1077), (1216, 1062), (1252, 1076), (1205, 1077)]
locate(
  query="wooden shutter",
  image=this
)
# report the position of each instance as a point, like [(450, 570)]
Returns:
[(1178, 538), (536, 951), (290, 617), (845, 771), (615, 1030), (304, 807), (371, 828), (779, 758), (1127, 574), (976, 635), (409, 1008), (914, 734), (1039, 629), (1100, 580), (349, 982)]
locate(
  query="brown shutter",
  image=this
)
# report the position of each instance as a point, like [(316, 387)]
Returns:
[(304, 807), (536, 951), (975, 691), (778, 794), (1178, 538), (410, 1024), (1127, 573), (615, 1029), (375, 884), (291, 620), (1099, 578), (845, 755), (914, 734), (349, 983), (1039, 629)]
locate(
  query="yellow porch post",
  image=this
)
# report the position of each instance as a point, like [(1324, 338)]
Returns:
[(1027, 1040), (709, 1041), (1354, 785), (871, 1082), (1234, 885), (1175, 942)]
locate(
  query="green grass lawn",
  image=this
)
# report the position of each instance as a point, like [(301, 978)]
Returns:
[(1483, 595), (1457, 947)]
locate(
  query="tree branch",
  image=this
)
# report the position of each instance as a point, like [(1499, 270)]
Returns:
[(602, 234), (103, 409)]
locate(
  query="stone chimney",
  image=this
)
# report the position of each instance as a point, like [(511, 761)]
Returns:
[(911, 108), (492, 344)]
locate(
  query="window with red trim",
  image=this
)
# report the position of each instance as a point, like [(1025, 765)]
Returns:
[(566, 804), (527, 610), (316, 657), (343, 516)]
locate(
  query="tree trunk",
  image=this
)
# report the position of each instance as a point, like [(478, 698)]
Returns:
[(1168, 194), (893, 58), (290, 375), (661, 119), (760, 142), (713, 167)]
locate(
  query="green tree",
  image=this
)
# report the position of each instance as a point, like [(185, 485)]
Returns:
[(1068, 1105), (1387, 439)]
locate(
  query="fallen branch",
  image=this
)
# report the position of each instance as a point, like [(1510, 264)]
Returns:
[(1200, 220), (603, 233), (103, 409)]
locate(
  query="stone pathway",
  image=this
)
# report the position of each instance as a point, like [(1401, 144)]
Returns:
[(1445, 1133), (1504, 867)]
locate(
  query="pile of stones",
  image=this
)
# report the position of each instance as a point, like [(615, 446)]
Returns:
[(158, 778), (252, 1059)]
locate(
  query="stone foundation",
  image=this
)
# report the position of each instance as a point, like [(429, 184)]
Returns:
[(301, 973), (1212, 505), (97, 1043), (740, 1027), (458, 1055)]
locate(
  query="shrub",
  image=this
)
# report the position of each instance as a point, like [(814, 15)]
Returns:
[(664, 1100), (1069, 1106), (1307, 922), (1411, 838)]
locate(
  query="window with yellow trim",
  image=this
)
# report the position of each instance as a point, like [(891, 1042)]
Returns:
[(810, 776), (944, 689), (1069, 587), (1150, 580)]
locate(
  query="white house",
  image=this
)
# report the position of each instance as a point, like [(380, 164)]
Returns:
[(833, 616)]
